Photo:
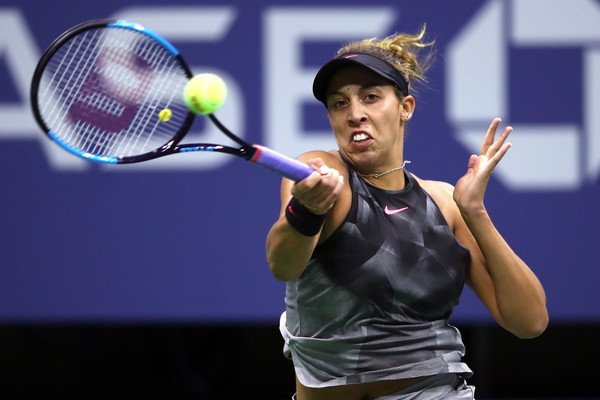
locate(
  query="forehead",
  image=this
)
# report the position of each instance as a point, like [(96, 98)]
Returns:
[(355, 75)]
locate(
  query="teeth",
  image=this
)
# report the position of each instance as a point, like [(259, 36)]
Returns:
[(360, 136)]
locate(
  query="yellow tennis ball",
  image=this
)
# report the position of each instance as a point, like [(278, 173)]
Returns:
[(165, 115), (205, 93)]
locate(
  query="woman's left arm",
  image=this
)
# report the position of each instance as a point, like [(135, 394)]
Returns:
[(503, 282)]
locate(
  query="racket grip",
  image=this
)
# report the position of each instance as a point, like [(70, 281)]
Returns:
[(283, 165)]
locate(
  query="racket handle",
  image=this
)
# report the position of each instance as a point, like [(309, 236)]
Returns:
[(283, 165)]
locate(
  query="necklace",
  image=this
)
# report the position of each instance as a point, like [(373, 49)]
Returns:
[(376, 175)]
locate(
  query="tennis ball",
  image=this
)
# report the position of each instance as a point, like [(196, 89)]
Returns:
[(165, 115), (205, 93)]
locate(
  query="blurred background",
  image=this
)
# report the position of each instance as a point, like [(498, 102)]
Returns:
[(151, 280)]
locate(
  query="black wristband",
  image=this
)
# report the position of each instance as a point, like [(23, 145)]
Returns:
[(302, 219)]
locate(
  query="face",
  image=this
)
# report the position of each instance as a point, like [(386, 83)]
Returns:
[(366, 116)]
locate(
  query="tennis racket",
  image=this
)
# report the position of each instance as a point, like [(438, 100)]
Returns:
[(99, 90)]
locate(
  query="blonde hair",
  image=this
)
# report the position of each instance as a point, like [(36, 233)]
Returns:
[(400, 50)]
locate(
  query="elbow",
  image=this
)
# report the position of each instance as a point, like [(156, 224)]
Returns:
[(282, 274), (284, 264), (281, 271), (282, 277), (533, 328), (278, 273), (538, 328)]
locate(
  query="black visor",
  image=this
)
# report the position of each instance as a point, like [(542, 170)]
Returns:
[(375, 64)]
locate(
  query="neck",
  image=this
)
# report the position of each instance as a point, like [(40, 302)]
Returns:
[(387, 179), (380, 174)]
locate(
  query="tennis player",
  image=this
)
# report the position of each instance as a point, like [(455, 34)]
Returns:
[(376, 258)]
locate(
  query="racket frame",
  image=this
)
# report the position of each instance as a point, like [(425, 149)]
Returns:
[(257, 154)]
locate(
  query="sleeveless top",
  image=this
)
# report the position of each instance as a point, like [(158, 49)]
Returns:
[(374, 301)]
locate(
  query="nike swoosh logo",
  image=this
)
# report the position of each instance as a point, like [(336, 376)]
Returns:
[(392, 212)]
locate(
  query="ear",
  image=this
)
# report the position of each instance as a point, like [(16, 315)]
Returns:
[(407, 107)]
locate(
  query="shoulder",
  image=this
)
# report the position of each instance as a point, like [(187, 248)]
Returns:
[(331, 158), (442, 194), (436, 189)]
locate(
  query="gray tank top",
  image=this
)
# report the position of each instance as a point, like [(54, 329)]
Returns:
[(374, 301)]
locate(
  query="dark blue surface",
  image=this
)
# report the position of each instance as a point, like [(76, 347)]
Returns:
[(116, 243)]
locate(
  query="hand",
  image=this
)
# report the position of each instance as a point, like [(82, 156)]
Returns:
[(321, 189), (470, 189)]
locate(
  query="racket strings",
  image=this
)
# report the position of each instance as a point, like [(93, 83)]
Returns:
[(63, 79), (147, 122), (68, 78), (132, 136), (101, 93), (91, 138)]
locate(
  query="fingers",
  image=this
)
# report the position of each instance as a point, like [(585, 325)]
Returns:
[(472, 162), (492, 146), (488, 140), (319, 191), (500, 154), (499, 148), (492, 150), (318, 165)]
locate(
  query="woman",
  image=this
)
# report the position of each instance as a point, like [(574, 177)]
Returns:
[(375, 258)]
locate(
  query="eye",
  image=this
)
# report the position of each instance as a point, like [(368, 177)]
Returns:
[(371, 97), (337, 103)]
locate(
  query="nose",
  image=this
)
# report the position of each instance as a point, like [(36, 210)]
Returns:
[(356, 112)]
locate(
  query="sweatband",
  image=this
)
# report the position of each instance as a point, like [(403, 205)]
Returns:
[(301, 219)]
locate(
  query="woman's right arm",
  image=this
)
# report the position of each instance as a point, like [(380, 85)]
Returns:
[(288, 250)]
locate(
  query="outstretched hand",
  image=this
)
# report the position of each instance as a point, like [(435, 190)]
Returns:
[(470, 189)]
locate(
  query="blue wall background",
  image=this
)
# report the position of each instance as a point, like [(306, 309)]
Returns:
[(184, 240)]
